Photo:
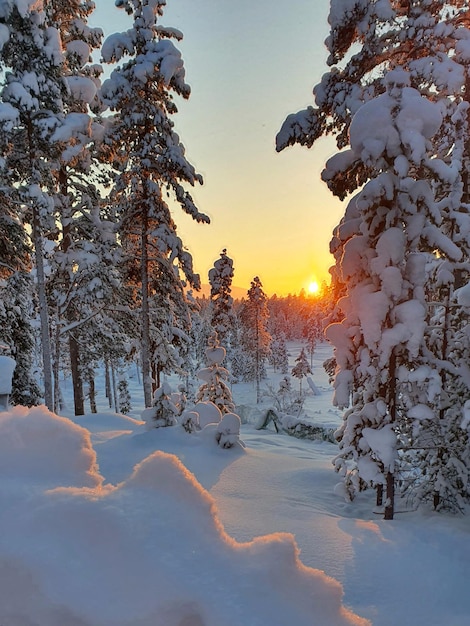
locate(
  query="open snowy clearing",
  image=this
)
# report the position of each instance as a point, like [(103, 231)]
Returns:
[(158, 545)]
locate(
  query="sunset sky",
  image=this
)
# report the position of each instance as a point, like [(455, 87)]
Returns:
[(249, 65)]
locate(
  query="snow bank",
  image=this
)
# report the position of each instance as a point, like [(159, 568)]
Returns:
[(149, 552), (41, 448)]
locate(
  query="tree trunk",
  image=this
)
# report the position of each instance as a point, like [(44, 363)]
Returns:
[(92, 393), (379, 495), (390, 492), (145, 315), (71, 314), (390, 476), (56, 368), (77, 381), (115, 394), (36, 237), (43, 312), (107, 382)]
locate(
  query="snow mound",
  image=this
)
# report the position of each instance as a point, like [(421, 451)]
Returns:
[(100, 422), (149, 552), (42, 448)]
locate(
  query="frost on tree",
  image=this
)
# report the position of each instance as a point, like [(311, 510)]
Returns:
[(301, 368), (215, 386), (402, 249), (220, 279), (164, 412), (255, 337), (142, 146), (31, 110)]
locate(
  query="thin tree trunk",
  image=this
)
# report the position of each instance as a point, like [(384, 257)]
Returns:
[(77, 381), (43, 313), (379, 495), (92, 393), (146, 370), (115, 394), (390, 476), (36, 238), (107, 382), (71, 315), (56, 368), (390, 501)]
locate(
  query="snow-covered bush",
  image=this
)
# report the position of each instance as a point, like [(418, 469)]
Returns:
[(215, 388), (228, 431), (163, 412)]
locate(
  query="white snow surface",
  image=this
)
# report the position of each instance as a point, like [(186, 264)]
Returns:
[(105, 523)]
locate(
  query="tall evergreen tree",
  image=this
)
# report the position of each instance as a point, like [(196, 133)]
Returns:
[(150, 162), (256, 339), (77, 196), (416, 193), (220, 279), (32, 110), (17, 306)]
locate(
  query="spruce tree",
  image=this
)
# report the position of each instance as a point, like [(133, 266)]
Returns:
[(220, 279), (144, 149), (416, 185), (255, 338), (31, 112)]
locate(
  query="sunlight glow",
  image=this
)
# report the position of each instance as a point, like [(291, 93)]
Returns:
[(313, 288)]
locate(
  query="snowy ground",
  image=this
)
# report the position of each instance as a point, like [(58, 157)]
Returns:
[(161, 546)]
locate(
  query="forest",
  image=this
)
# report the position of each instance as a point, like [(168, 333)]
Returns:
[(112, 519), (94, 274)]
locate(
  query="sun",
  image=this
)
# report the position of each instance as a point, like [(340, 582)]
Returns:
[(313, 288)]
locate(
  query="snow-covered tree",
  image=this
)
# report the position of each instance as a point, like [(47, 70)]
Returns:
[(255, 338), (163, 413), (278, 356), (82, 262), (143, 147), (31, 112), (215, 387), (407, 228), (301, 368), (17, 305), (16, 331), (220, 280)]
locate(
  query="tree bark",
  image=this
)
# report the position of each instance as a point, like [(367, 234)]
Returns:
[(77, 381), (92, 393), (390, 476), (145, 315), (43, 313)]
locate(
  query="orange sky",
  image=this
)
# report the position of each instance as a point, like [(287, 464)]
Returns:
[(249, 65)]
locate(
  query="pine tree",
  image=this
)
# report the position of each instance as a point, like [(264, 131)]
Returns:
[(32, 111), (256, 339), (301, 368), (220, 279), (417, 185), (142, 146), (215, 388), (77, 195), (278, 356)]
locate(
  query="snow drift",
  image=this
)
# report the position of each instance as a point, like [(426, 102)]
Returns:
[(150, 551)]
